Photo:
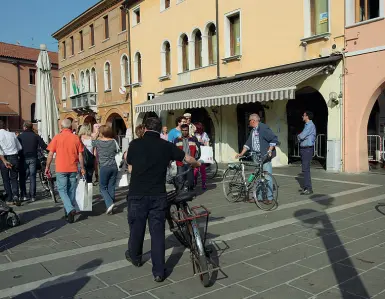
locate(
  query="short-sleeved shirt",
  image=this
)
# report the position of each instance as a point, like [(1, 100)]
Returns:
[(106, 150), (150, 156), (174, 134), (67, 147)]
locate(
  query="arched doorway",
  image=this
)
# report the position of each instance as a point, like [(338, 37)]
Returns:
[(89, 120), (201, 115), (243, 113), (307, 99), (116, 122)]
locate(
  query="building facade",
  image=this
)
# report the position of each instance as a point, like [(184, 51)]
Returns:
[(220, 60), (18, 83), (364, 84)]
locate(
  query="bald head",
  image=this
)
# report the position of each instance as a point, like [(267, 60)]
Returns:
[(66, 123)]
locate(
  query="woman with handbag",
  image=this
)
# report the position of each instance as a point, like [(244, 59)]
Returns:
[(203, 140), (107, 148), (89, 154)]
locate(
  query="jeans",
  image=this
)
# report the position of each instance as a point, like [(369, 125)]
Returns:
[(188, 178), (28, 169), (66, 185), (306, 157), (268, 167), (107, 183), (153, 208), (10, 176)]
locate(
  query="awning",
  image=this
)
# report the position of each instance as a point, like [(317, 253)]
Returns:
[(5, 110), (280, 86)]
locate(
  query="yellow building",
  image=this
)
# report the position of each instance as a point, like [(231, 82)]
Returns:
[(221, 60)]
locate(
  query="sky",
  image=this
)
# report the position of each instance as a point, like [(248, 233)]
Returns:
[(32, 22)]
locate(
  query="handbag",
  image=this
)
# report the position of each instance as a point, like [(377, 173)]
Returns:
[(89, 158), (123, 181), (84, 195)]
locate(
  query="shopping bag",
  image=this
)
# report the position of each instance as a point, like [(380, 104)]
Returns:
[(207, 155), (84, 195), (123, 181), (118, 155)]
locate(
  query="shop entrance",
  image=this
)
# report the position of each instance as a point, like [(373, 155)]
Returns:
[(201, 115)]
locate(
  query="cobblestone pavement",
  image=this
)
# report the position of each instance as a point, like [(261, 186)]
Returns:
[(328, 245)]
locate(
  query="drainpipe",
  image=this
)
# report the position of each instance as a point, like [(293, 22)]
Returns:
[(126, 7), (217, 24), (19, 92)]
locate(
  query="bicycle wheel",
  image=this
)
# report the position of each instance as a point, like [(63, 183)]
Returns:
[(263, 186), (52, 190), (179, 229), (212, 170), (43, 181), (199, 256), (233, 187)]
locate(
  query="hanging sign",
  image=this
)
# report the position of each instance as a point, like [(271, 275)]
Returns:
[(122, 90)]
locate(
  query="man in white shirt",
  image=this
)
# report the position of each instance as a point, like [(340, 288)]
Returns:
[(9, 148)]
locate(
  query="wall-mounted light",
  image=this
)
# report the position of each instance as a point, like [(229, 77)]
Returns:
[(333, 98)]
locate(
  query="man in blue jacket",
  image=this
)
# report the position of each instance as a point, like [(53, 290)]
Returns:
[(261, 140)]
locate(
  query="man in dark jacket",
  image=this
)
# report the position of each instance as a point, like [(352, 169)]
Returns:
[(30, 143), (261, 140)]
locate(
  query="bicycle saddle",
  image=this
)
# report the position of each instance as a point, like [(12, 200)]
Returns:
[(185, 196)]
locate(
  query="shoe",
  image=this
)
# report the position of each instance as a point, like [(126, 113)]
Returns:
[(16, 201), (267, 202), (204, 187), (33, 199), (158, 278), (110, 209), (71, 216), (128, 258), (25, 198), (307, 192)]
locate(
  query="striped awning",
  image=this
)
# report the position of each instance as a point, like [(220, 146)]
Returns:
[(280, 86)]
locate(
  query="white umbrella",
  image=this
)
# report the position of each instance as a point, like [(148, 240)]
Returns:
[(47, 113)]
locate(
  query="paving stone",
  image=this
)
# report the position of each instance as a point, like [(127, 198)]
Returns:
[(361, 231), (183, 290), (269, 280), (69, 289), (335, 293), (282, 292), (239, 243), (106, 293), (125, 274), (236, 256), (27, 295), (14, 277), (232, 274), (279, 243), (367, 284), (282, 231), (142, 284), (3, 259), (367, 259), (231, 292), (329, 241), (323, 279), (143, 296), (285, 256)]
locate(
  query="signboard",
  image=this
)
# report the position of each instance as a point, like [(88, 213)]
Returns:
[(150, 96), (323, 18), (122, 90)]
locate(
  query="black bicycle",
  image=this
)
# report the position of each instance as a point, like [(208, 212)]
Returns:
[(183, 223), (46, 181)]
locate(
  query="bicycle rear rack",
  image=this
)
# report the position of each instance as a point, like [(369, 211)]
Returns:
[(196, 213)]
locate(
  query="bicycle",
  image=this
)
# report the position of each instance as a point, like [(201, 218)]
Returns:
[(236, 187), (182, 220), (46, 181)]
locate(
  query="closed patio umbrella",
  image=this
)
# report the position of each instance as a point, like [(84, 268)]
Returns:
[(47, 114)]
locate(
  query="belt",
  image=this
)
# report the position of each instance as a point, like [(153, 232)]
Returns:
[(311, 146), (11, 155)]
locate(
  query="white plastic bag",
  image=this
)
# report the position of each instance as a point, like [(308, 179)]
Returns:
[(123, 181), (207, 155), (84, 195), (118, 155)]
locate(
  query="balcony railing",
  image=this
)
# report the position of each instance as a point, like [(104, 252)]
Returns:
[(83, 102)]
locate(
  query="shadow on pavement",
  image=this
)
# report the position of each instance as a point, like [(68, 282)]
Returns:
[(300, 180), (380, 208), (28, 216), (65, 286), (340, 261)]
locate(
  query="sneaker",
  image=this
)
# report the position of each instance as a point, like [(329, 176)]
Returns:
[(25, 198), (158, 278), (33, 199), (110, 209), (16, 201), (71, 216)]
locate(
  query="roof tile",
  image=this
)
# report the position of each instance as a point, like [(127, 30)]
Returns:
[(21, 52)]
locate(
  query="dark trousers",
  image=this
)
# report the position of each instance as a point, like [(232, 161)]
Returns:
[(28, 169), (306, 157), (153, 208), (89, 173), (10, 176), (187, 179)]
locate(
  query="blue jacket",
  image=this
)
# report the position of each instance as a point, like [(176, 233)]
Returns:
[(266, 139)]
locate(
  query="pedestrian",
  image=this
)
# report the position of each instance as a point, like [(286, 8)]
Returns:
[(31, 145), (107, 148), (203, 140), (306, 142), (191, 126), (147, 159), (139, 131), (164, 134), (89, 151), (262, 141), (10, 148), (95, 132), (69, 153), (191, 147), (176, 132)]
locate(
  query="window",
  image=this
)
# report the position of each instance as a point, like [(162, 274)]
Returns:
[(33, 109), (87, 81), (235, 34), (136, 16), (198, 49), (64, 50), (123, 19), (72, 46), (166, 59), (106, 29), (74, 87), (184, 46), (124, 70), (212, 44), (81, 40), (32, 76), (93, 81), (92, 35), (64, 88), (319, 16), (367, 9), (107, 76), (138, 67), (82, 82), (164, 4)]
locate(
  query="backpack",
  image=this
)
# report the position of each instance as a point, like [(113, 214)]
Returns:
[(7, 220)]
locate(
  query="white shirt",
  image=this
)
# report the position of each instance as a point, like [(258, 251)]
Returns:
[(9, 144)]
